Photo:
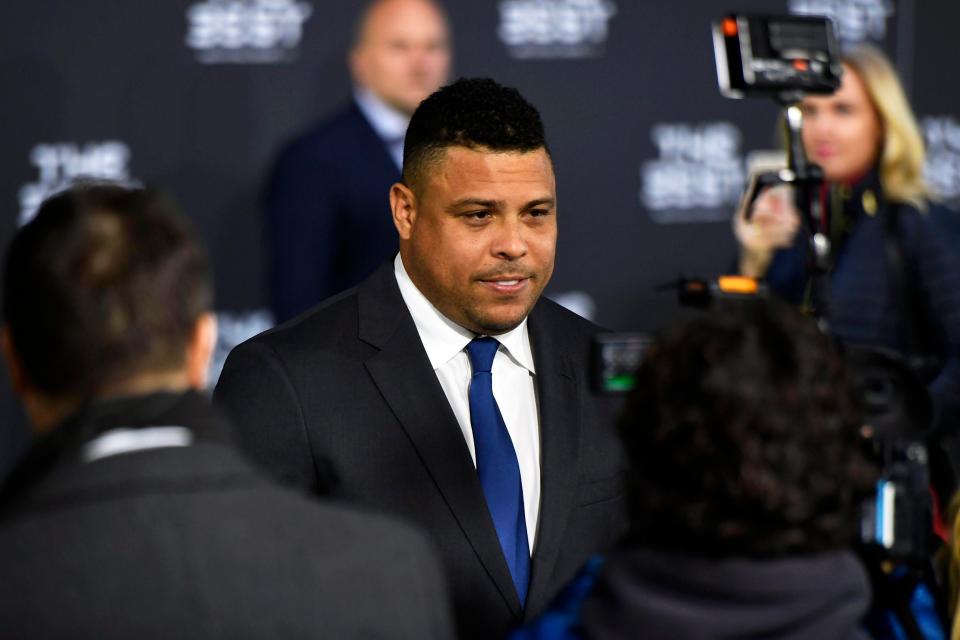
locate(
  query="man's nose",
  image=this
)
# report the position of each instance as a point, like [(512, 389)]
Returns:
[(510, 241), (423, 60)]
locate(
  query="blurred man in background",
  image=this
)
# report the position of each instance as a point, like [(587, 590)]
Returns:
[(132, 517), (328, 219)]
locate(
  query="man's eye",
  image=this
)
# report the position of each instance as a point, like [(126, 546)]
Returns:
[(843, 109), (477, 215), (536, 213)]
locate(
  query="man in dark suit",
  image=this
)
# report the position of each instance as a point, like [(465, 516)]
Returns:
[(327, 223), (133, 517), (444, 388)]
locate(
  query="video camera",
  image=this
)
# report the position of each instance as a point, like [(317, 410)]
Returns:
[(786, 58), (898, 414), (616, 356), (775, 55)]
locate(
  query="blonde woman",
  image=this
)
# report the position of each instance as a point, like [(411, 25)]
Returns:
[(866, 139)]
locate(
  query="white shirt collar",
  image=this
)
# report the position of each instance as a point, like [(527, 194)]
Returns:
[(443, 339), (389, 123)]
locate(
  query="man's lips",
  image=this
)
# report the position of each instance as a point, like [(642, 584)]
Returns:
[(510, 283)]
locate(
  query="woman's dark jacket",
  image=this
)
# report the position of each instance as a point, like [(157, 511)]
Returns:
[(863, 294)]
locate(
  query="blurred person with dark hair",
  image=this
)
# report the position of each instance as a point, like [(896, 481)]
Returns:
[(132, 516), (894, 278), (327, 220), (445, 388), (744, 489)]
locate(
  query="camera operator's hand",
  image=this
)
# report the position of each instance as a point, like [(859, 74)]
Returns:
[(773, 224)]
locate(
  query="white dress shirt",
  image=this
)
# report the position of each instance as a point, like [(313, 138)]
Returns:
[(513, 385), (388, 123)]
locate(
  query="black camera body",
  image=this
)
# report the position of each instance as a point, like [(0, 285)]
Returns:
[(898, 415), (895, 525)]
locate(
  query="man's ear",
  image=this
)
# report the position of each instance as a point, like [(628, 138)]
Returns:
[(357, 65), (200, 350), (18, 379), (403, 205)]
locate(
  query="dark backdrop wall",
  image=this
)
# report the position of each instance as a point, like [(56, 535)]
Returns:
[(199, 95)]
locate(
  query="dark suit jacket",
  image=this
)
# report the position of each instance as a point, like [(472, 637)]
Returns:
[(191, 542), (327, 205), (343, 399)]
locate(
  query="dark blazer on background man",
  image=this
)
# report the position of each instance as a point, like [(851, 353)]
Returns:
[(192, 542), (343, 400), (328, 223)]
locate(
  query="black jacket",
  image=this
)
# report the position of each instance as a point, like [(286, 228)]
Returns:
[(865, 305), (646, 594), (344, 400), (327, 204), (191, 542)]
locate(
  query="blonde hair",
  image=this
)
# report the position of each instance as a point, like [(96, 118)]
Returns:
[(902, 152), (948, 560)]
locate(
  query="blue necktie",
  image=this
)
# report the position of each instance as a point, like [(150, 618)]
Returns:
[(497, 465)]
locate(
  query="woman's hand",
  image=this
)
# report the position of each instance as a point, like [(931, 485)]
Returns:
[(772, 225)]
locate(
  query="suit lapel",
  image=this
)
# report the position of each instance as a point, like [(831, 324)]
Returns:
[(559, 401), (402, 373)]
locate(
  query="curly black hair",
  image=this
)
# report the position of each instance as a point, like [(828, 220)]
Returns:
[(473, 113), (744, 438)]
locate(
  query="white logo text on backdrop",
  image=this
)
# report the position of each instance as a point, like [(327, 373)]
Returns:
[(698, 175), (855, 20), (555, 28), (232, 329), (59, 163), (942, 134), (246, 31)]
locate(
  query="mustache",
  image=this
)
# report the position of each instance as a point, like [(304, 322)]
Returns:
[(506, 270)]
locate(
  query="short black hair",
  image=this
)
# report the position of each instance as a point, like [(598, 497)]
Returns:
[(476, 113), (105, 282), (743, 435)]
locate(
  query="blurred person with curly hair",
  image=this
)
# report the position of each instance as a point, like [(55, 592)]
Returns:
[(745, 481)]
